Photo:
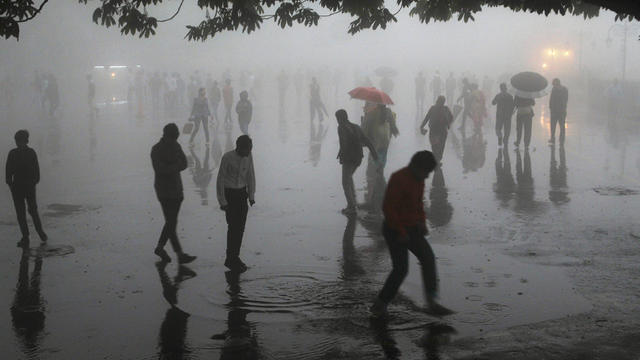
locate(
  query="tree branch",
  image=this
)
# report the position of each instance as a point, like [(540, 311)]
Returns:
[(174, 15), (34, 14)]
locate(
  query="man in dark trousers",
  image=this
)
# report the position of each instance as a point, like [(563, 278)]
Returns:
[(168, 161), (404, 230), (558, 109), (236, 183), (504, 112), (352, 139), (22, 175)]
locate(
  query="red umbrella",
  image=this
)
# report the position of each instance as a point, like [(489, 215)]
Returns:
[(371, 94)]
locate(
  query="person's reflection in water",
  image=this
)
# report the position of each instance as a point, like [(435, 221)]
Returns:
[(239, 339), (558, 177), (505, 185), (216, 151), (474, 151), (525, 191), (440, 210), (27, 310), (173, 330), (202, 174), (380, 329), (436, 335), (93, 140), (316, 137), (350, 266)]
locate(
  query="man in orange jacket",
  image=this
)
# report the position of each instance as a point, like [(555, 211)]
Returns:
[(405, 229)]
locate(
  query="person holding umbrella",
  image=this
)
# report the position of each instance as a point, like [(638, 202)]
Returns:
[(527, 87)]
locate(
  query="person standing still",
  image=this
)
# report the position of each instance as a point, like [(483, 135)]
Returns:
[(244, 109), (236, 183), (524, 118), (504, 112), (558, 109), (168, 161), (227, 97), (22, 176), (404, 230), (200, 113), (351, 139)]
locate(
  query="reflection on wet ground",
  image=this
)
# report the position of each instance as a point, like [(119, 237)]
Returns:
[(499, 231)]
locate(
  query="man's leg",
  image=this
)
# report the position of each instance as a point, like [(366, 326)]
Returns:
[(196, 127), (552, 124), (170, 209), (499, 124), (205, 128), (347, 185), (236, 216), (419, 246), (371, 173), (561, 122), (507, 130), (21, 213), (527, 130), (519, 124), (174, 209), (32, 207), (400, 263)]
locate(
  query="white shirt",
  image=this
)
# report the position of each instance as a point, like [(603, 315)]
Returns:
[(235, 172)]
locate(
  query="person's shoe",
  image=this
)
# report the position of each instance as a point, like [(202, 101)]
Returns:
[(235, 265), (43, 236), (438, 310), (185, 258), (163, 254), (379, 309), (185, 273)]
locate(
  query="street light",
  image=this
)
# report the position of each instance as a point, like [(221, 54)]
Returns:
[(623, 31)]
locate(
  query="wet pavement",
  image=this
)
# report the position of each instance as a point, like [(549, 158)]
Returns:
[(537, 250)]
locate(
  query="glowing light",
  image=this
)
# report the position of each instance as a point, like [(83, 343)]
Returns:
[(567, 53), (550, 52), (118, 67), (98, 67), (113, 75), (544, 66), (113, 99)]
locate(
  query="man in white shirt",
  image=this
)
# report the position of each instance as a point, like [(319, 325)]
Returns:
[(236, 183)]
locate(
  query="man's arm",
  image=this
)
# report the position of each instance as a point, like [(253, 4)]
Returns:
[(9, 169), (36, 167), (222, 173), (426, 119), (251, 181)]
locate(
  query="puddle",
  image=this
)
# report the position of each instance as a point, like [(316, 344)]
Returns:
[(47, 250), (62, 210), (615, 191)]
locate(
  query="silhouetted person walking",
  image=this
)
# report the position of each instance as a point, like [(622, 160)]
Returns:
[(439, 118), (22, 176), (524, 117), (168, 161), (236, 183), (352, 139), (315, 102), (200, 113), (558, 109), (244, 109), (504, 112), (404, 230)]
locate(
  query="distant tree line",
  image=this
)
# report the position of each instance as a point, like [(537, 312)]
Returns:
[(132, 18)]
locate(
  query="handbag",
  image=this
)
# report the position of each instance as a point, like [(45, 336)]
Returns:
[(187, 128)]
